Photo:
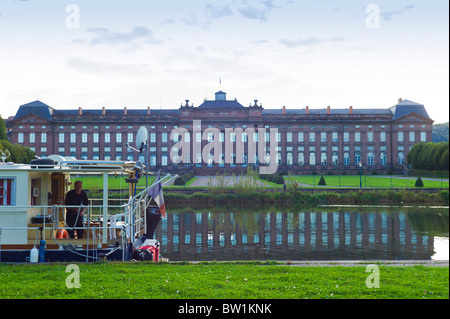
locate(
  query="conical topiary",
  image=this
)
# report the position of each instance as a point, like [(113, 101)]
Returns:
[(419, 182), (322, 181)]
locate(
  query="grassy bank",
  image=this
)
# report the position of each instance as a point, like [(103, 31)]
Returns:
[(297, 198), (221, 280)]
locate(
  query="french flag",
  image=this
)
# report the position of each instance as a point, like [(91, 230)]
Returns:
[(157, 194)]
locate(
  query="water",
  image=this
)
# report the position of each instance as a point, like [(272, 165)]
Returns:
[(312, 234)]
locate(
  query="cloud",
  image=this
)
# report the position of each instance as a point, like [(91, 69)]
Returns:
[(388, 15), (109, 37), (309, 41), (257, 10), (217, 12)]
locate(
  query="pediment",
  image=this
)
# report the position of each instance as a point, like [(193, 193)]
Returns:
[(31, 119), (413, 118)]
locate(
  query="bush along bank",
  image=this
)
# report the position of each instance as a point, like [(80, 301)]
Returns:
[(299, 198)]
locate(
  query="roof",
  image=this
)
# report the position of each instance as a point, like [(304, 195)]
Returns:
[(221, 104), (36, 107), (406, 107), (324, 111)]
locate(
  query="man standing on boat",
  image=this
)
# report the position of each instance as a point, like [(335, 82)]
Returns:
[(74, 215)]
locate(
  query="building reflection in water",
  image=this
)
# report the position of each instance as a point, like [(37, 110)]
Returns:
[(314, 235)]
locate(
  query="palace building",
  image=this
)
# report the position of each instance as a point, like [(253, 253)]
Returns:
[(308, 139)]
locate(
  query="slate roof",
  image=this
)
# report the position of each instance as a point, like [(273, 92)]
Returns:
[(35, 107), (406, 107), (221, 104)]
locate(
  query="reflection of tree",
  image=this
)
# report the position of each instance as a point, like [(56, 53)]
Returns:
[(429, 222)]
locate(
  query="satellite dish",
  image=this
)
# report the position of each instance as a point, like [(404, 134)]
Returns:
[(141, 137)]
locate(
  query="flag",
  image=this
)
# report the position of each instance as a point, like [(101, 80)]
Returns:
[(157, 194)]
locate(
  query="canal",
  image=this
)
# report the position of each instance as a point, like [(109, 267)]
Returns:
[(324, 233)]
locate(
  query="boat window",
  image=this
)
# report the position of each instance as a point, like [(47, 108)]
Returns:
[(7, 191)]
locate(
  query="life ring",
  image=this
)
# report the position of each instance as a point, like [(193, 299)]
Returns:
[(62, 234)]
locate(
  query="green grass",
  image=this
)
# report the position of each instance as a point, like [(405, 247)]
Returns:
[(95, 182), (244, 280), (369, 181)]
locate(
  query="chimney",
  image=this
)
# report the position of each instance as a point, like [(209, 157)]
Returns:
[(350, 110), (307, 110), (284, 110), (103, 111), (148, 110), (399, 100), (125, 111), (80, 111), (328, 109)]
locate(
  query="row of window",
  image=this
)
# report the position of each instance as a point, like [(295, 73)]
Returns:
[(210, 137), (301, 158)]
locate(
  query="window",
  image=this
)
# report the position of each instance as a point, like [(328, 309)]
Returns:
[(289, 137), (370, 159), (323, 137), (401, 158), (412, 137), (152, 159), (198, 137), (130, 137), (61, 138), (323, 158), (278, 138), (383, 158), (32, 138), (289, 159), (382, 137), (20, 138), (301, 158), (107, 137), (370, 137), (312, 158), (95, 137), (164, 160), (423, 136), (346, 137), (43, 137), (335, 158), (7, 191), (84, 138), (73, 138), (357, 137), (152, 137), (300, 137), (164, 137), (357, 158), (118, 137), (312, 137), (334, 137), (400, 136), (346, 158), (187, 137)]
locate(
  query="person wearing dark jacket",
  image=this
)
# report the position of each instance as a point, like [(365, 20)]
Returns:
[(74, 215)]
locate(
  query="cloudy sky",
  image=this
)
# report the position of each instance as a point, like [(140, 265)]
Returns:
[(140, 53)]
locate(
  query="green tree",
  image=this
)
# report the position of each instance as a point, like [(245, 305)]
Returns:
[(3, 135), (444, 160)]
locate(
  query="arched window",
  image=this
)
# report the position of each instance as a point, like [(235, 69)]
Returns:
[(401, 158), (290, 159), (346, 158), (370, 159), (383, 158), (335, 159), (323, 158), (164, 160), (301, 158), (357, 158), (312, 158)]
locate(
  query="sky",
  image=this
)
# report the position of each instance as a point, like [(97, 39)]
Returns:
[(157, 54)]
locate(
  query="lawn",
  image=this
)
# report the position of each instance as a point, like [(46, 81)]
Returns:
[(245, 280), (369, 181)]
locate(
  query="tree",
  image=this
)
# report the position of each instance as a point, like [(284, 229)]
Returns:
[(444, 160), (322, 181), (3, 135), (419, 182)]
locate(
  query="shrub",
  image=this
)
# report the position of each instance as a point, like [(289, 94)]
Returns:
[(183, 179), (322, 181), (419, 182)]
